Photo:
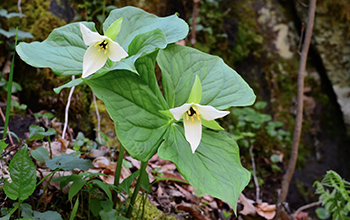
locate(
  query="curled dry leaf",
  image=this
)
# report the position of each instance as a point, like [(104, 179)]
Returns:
[(265, 210), (248, 207)]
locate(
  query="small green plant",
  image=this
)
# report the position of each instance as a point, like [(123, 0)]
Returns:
[(335, 197), (250, 123)]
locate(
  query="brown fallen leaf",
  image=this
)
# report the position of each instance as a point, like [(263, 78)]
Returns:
[(248, 206), (265, 210), (193, 212)]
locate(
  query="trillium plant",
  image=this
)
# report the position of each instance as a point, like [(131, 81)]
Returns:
[(177, 122)]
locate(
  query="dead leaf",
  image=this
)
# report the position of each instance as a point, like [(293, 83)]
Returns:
[(265, 210), (301, 216), (248, 207)]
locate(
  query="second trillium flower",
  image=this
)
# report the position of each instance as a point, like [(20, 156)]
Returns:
[(195, 115), (101, 48)]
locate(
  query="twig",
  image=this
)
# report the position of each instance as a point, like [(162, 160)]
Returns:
[(8, 128), (257, 199), (67, 109), (98, 118), (19, 6), (194, 22), (307, 207), (299, 117), (301, 38), (303, 4)]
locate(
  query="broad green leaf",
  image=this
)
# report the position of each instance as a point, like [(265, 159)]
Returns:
[(68, 162), (136, 21), (40, 154), (62, 51), (143, 43), (214, 168), (133, 102), (23, 176), (76, 186), (222, 87)]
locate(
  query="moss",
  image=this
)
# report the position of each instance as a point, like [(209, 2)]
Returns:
[(39, 21), (151, 212), (228, 29)]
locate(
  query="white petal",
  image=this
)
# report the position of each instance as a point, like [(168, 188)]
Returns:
[(178, 112), (115, 51), (90, 37), (193, 132), (93, 61), (209, 112)]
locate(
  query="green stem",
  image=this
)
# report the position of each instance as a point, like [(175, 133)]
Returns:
[(9, 91), (117, 172), (137, 187)]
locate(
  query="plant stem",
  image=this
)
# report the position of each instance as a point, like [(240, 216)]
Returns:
[(117, 172), (9, 91), (137, 187), (67, 110), (299, 118)]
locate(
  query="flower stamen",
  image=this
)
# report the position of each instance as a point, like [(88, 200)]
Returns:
[(192, 112), (103, 46)]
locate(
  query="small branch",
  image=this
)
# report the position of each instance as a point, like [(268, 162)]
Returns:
[(194, 22), (257, 198), (67, 109), (8, 128), (301, 38), (299, 118), (19, 6), (307, 207)]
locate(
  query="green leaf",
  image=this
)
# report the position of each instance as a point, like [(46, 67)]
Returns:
[(62, 51), (76, 186), (70, 84), (322, 213), (142, 44), (34, 133), (104, 187), (133, 102), (125, 185), (109, 215), (211, 124), (196, 92), (74, 210), (3, 145), (23, 176), (113, 30), (136, 21), (46, 215), (214, 168), (222, 87), (68, 162), (40, 154)]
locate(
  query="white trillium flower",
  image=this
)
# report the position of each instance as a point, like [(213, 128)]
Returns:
[(100, 48), (193, 115)]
